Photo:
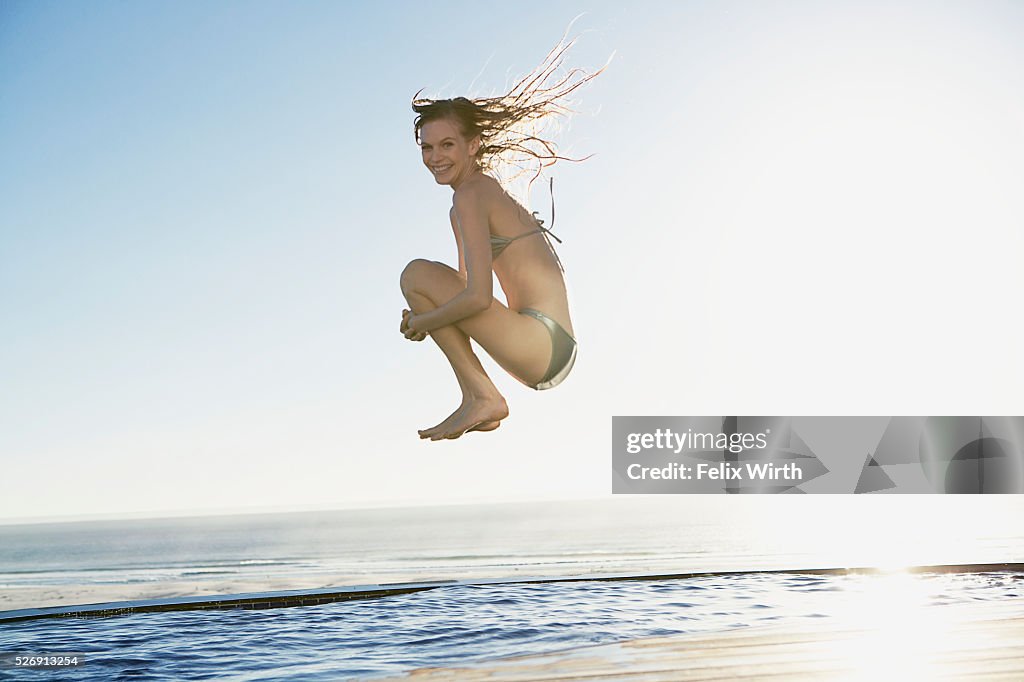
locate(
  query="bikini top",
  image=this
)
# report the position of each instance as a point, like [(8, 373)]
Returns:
[(499, 243)]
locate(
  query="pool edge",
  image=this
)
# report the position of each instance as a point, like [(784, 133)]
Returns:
[(286, 598)]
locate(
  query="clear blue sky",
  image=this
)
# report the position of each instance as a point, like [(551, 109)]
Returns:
[(794, 208)]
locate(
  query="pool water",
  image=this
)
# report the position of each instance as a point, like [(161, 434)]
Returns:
[(456, 625)]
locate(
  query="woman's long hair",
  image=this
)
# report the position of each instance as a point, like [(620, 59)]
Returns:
[(514, 128)]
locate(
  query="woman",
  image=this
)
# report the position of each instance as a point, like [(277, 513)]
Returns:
[(531, 338)]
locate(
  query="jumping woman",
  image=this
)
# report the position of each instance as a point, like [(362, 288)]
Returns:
[(466, 144)]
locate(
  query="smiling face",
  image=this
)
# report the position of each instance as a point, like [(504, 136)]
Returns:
[(446, 153)]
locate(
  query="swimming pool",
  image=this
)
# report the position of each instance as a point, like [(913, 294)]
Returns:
[(458, 624)]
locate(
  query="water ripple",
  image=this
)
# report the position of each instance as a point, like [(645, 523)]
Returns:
[(455, 625)]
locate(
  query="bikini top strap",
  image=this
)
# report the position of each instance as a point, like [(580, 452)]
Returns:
[(546, 231), (540, 221)]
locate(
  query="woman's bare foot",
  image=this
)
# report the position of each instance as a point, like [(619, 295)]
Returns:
[(487, 426), (443, 426), (473, 415)]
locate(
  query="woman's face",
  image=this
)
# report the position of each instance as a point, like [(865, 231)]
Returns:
[(446, 154)]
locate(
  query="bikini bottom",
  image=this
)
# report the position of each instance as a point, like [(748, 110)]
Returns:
[(563, 351)]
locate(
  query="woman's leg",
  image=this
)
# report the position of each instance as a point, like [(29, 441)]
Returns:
[(477, 388), (519, 344)]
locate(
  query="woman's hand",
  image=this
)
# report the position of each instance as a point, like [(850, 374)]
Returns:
[(408, 327)]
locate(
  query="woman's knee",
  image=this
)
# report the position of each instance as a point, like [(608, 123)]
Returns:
[(414, 273)]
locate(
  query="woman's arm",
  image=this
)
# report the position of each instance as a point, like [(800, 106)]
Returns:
[(458, 240), (475, 237)]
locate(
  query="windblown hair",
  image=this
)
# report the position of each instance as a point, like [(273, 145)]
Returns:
[(513, 127)]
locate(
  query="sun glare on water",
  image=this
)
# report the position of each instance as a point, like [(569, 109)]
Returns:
[(895, 631)]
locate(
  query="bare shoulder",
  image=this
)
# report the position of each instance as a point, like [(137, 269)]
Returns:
[(474, 195), (482, 189)]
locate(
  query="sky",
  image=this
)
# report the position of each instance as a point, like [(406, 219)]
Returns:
[(794, 208)]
